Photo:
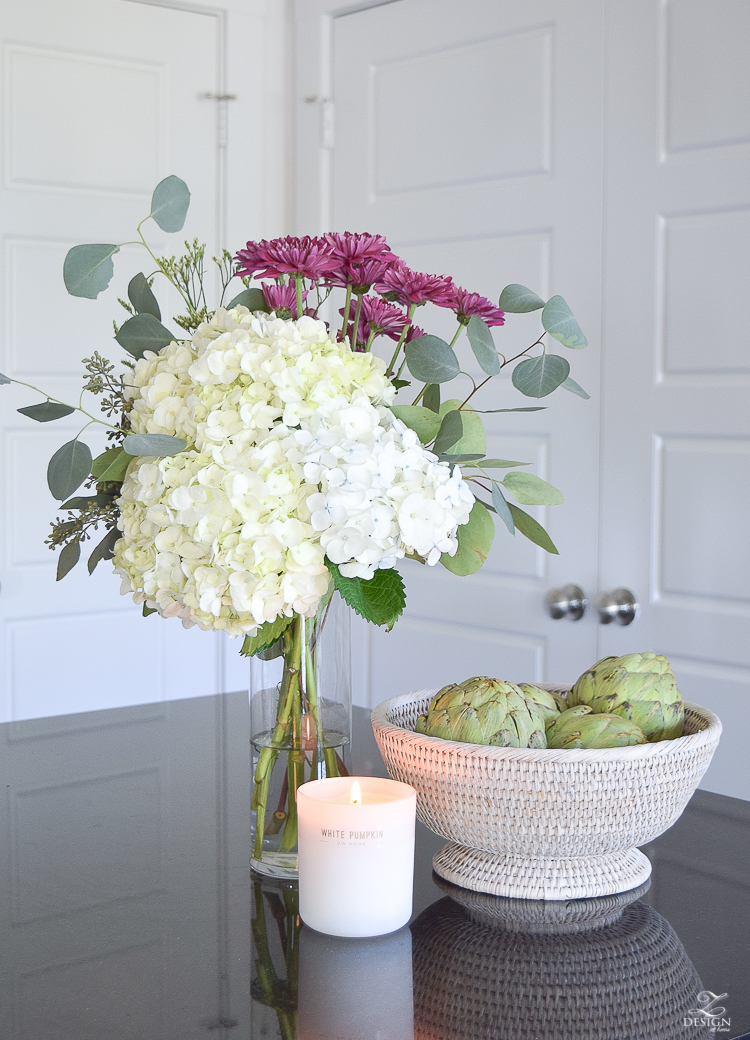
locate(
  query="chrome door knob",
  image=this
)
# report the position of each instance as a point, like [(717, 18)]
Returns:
[(569, 601), (619, 606)]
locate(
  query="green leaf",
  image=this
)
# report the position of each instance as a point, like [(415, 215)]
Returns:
[(502, 508), (539, 376), (380, 600), (111, 464), (149, 610), (450, 433), (501, 464), (4, 379), (431, 360), (141, 296), (474, 542), (141, 333), (399, 383), (570, 384), (558, 320), (105, 550), (531, 490), (467, 457), (483, 345), (169, 203), (157, 444), (423, 421), (528, 526), (473, 439), (496, 411), (47, 411), (88, 269), (69, 556), (431, 397), (253, 299), (68, 468), (88, 501), (517, 299), (265, 637)]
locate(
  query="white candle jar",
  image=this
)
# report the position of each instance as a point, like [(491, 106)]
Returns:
[(356, 861)]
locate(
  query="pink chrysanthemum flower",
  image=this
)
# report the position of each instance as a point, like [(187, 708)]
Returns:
[(400, 283), (414, 333), (467, 304), (353, 248), (308, 257), (282, 299), (377, 316)]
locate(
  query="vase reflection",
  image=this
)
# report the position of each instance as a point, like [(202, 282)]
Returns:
[(475, 979)]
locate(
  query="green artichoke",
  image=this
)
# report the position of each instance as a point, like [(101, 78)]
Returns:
[(638, 687), (481, 710), (579, 727), (549, 704)]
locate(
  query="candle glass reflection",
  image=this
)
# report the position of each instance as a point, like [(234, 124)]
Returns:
[(355, 989)]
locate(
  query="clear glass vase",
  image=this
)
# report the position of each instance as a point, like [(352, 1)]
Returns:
[(300, 727)]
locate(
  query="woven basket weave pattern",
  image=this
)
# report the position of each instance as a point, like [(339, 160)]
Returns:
[(548, 803), (629, 981)]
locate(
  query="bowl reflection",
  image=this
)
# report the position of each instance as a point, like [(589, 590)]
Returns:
[(472, 979)]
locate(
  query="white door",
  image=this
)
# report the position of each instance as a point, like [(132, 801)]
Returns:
[(471, 137), (676, 446), (103, 98)]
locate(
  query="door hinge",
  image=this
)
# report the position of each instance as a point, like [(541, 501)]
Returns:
[(223, 100)]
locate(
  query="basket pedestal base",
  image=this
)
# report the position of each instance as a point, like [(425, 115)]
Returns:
[(526, 877)]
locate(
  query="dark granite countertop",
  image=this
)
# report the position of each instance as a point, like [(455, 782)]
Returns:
[(129, 912)]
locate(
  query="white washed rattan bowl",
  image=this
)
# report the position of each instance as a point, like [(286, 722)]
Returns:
[(544, 824)]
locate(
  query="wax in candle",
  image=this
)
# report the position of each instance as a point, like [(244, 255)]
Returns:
[(356, 861)]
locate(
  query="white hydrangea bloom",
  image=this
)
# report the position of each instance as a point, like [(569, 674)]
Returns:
[(293, 455)]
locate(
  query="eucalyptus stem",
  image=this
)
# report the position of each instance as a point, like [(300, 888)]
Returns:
[(458, 333), (76, 408)]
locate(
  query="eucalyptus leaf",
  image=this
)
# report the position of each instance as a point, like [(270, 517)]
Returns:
[(158, 445), (456, 459), (575, 388), (497, 411), (69, 556), (539, 376), (253, 299), (112, 464), (501, 464), (517, 299), (68, 468), (105, 550), (424, 422), (141, 333), (4, 379), (473, 439), (558, 320), (528, 526), (502, 508), (431, 397), (169, 203), (450, 433), (431, 360), (530, 490), (474, 542), (88, 269), (47, 411), (142, 297), (87, 501), (483, 345)]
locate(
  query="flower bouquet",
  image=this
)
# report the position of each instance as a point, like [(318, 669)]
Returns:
[(260, 472)]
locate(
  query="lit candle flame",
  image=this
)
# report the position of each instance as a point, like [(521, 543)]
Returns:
[(356, 797)]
